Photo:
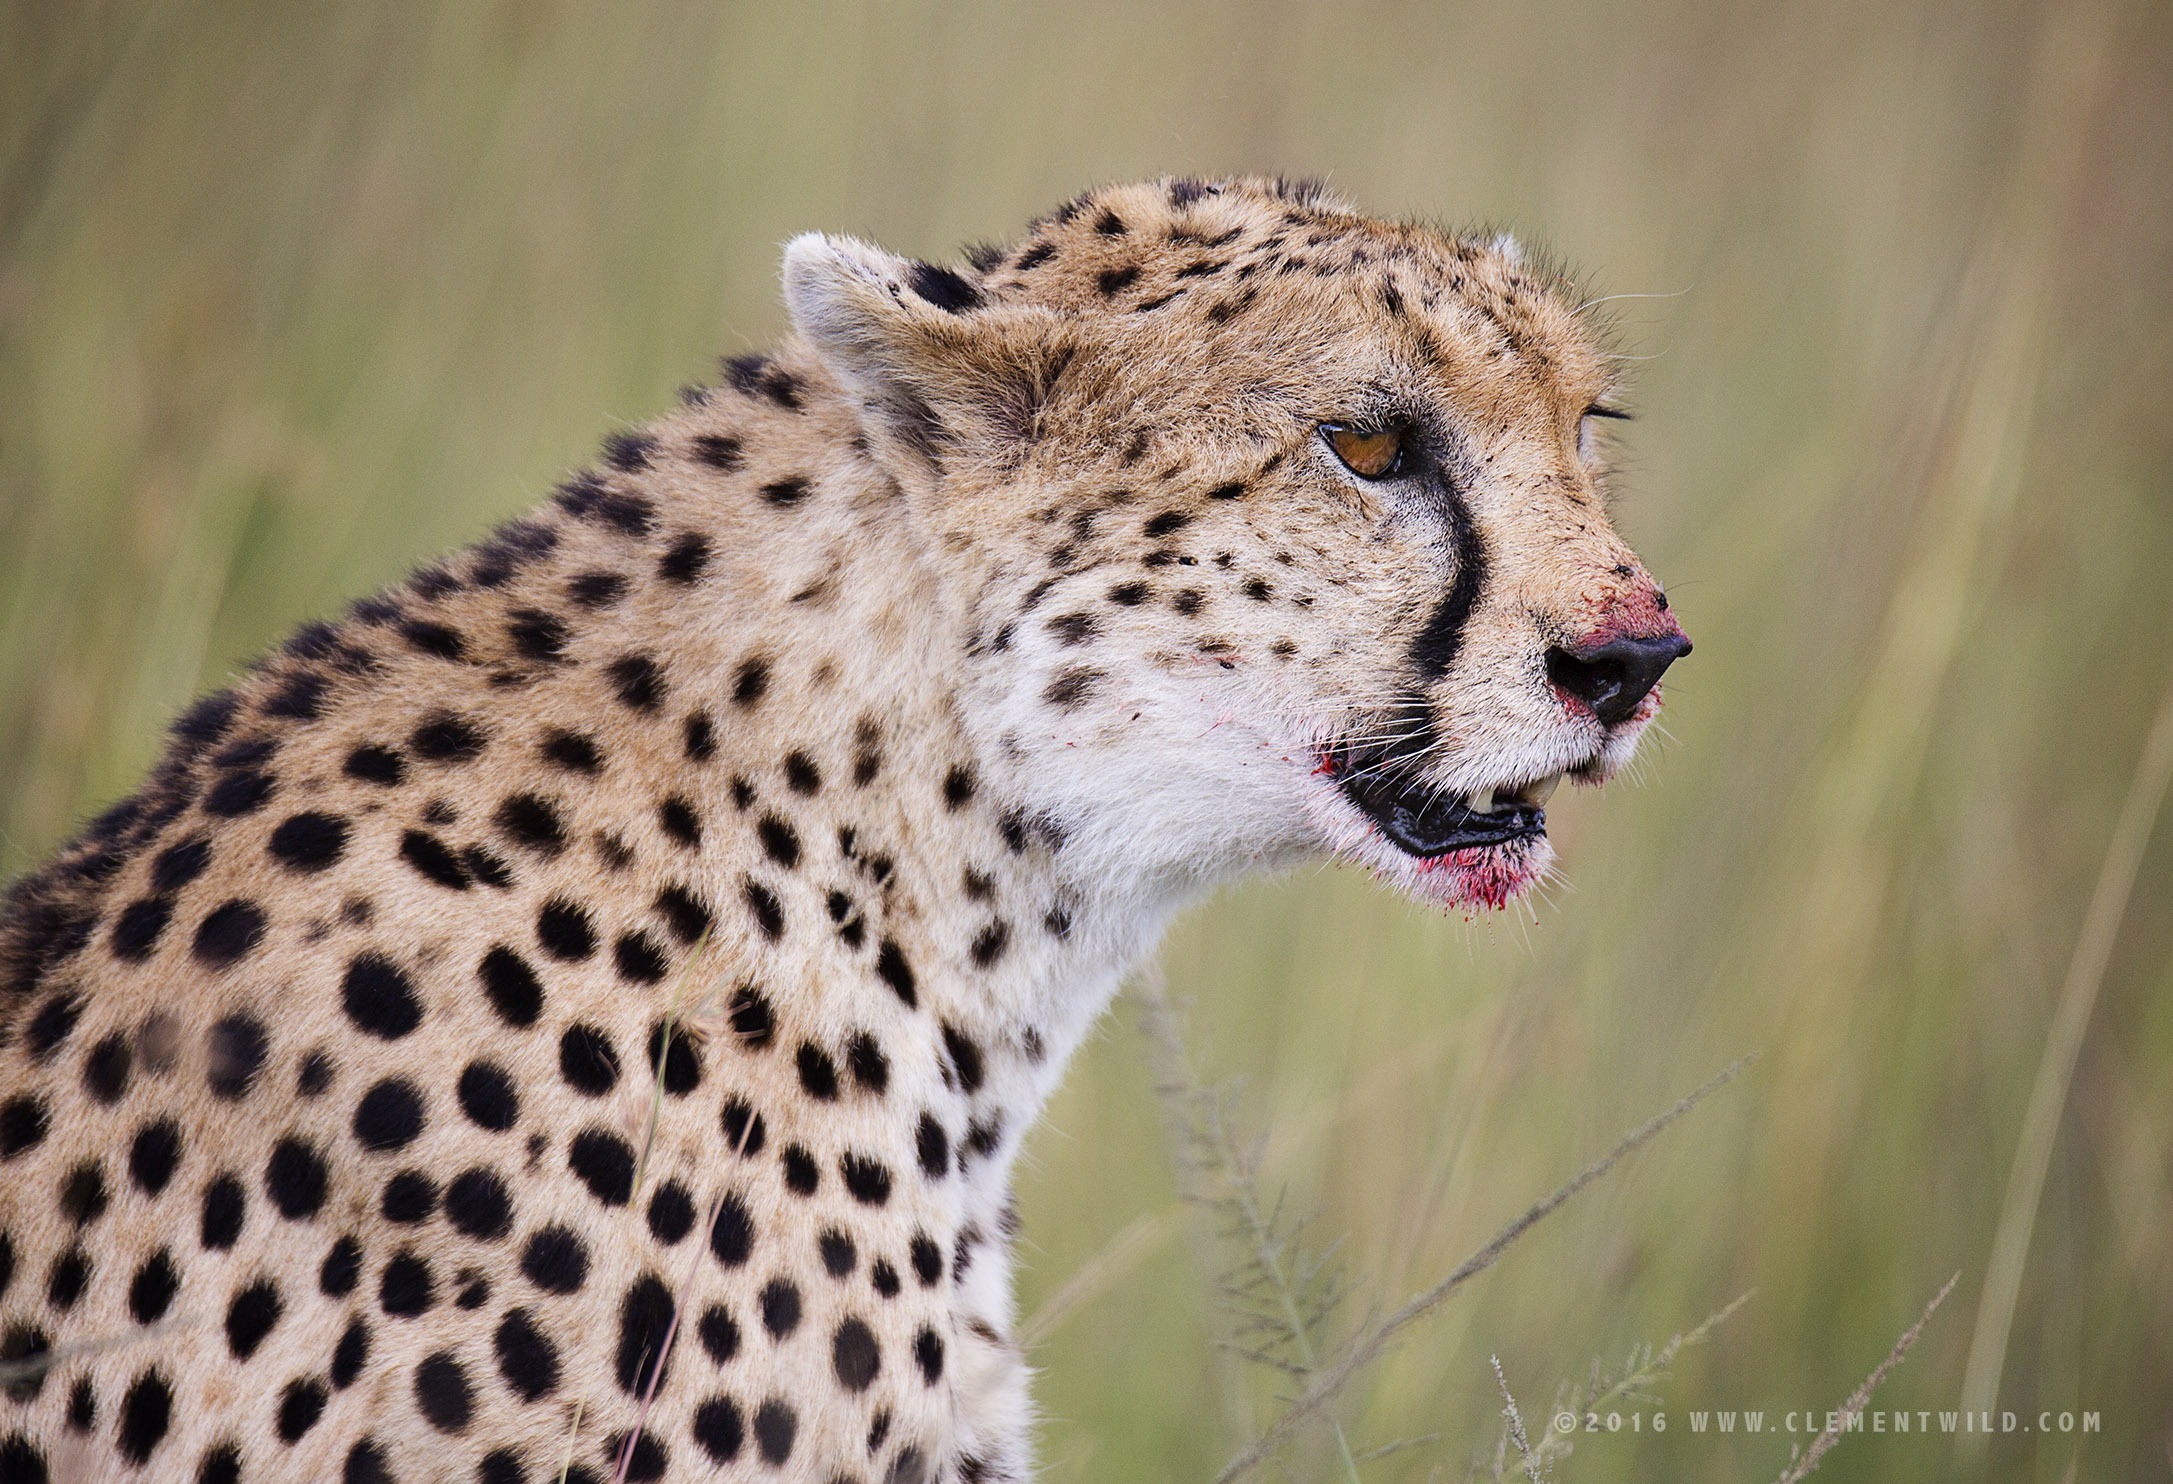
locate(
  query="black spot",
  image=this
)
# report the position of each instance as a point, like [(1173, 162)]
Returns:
[(136, 931), (315, 1074), (927, 1260), (855, 1356), (146, 1411), (488, 868), (750, 683), (744, 1131), (240, 794), (818, 1073), (234, 1055), (628, 452), (719, 1334), (718, 451), (1188, 601), (1167, 522), (679, 820), (564, 931), (410, 1197), (884, 1277), (478, 1205), (637, 681), (596, 589), (732, 1232), (1071, 686), (755, 375), (673, 1061), (787, 492), (1057, 922), (389, 1117), (585, 497), (71, 1273), (802, 1175), (106, 1067), (839, 1256), (934, 1147), (206, 721), (180, 863), (25, 1342), (1035, 256), (743, 793), (441, 1392), (52, 1024), (83, 1196), (769, 913), (555, 1260), (639, 958), (571, 751), (774, 1429), (686, 559), (870, 1068), (309, 842), (645, 1314), (379, 999), (779, 1302), (965, 1057), (295, 1178), (892, 968), (526, 1357), (603, 1162), (951, 292), (701, 741), (779, 840), (532, 822), (153, 1155), (434, 639), (446, 738), (350, 1354), (1224, 492), (342, 1269), (752, 1019), (433, 861), (228, 934), (1115, 280), (671, 1213), (989, 944), (151, 1291), (225, 1207), (537, 635), (801, 774), (683, 913), (366, 1465), (300, 1405), (928, 1355), (511, 986), (406, 1287), (867, 1179), (250, 1316), (82, 1408), (587, 1061), (717, 1428), (373, 764), (645, 1459)]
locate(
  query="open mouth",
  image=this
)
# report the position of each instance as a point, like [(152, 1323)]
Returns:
[(1428, 822)]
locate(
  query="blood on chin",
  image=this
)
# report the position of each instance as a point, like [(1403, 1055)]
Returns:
[(1485, 877)]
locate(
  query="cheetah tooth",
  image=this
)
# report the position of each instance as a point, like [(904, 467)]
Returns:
[(1482, 802)]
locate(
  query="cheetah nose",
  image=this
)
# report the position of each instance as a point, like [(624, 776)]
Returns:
[(1613, 677)]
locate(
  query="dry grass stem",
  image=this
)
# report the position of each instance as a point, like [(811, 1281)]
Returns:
[(1368, 1345), (1861, 1396)]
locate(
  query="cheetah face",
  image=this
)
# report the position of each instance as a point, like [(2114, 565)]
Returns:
[(1276, 529)]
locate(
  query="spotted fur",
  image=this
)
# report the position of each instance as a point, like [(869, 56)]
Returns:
[(609, 976)]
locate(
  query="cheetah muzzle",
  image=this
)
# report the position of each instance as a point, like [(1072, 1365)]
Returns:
[(579, 1009)]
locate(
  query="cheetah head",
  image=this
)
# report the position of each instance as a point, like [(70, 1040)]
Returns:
[(1273, 529)]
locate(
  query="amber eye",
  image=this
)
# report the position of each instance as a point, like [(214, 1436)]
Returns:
[(1370, 453)]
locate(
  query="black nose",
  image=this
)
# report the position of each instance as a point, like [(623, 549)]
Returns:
[(1615, 676)]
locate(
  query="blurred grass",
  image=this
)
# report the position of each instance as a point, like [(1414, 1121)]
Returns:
[(291, 296)]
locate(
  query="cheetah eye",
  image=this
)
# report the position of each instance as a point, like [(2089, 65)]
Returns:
[(1369, 453)]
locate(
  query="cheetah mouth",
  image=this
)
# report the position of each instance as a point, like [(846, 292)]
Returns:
[(1427, 822)]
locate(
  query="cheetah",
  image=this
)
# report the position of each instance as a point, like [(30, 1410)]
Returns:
[(576, 1014)]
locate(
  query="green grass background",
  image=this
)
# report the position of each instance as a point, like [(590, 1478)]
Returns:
[(292, 296)]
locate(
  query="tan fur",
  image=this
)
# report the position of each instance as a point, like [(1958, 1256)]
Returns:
[(976, 631)]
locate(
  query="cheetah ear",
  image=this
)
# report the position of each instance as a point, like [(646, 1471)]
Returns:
[(939, 371)]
